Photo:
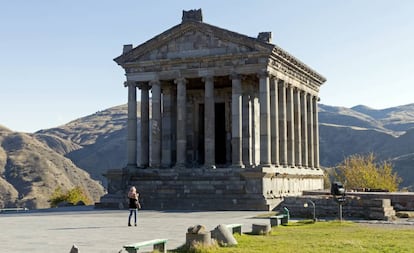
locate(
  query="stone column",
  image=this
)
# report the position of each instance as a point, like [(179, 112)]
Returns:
[(236, 121), (297, 123), (167, 126), (310, 131), (290, 127), (132, 124), (209, 123), (144, 125), (304, 121), (315, 133), (255, 121), (247, 145), (156, 124), (282, 123), (264, 90), (274, 118), (181, 122)]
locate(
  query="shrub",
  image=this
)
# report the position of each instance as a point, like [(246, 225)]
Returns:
[(72, 196)]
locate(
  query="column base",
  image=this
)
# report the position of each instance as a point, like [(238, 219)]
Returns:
[(210, 166), (237, 166)]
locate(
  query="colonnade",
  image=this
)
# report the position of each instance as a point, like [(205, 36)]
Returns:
[(277, 125)]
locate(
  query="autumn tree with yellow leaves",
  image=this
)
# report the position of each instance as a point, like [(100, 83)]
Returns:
[(362, 171)]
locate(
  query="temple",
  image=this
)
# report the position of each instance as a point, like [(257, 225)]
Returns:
[(227, 121)]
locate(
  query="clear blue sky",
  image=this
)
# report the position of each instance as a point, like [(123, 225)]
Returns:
[(56, 57)]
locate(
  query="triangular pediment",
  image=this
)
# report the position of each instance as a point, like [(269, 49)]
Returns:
[(193, 40)]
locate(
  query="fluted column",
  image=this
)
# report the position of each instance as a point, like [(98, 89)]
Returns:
[(236, 121), (264, 90), (274, 121), (181, 121), (167, 126), (282, 123), (144, 125), (290, 127), (255, 121), (315, 133), (156, 124), (209, 123), (310, 132), (304, 121), (297, 123), (132, 124), (247, 140)]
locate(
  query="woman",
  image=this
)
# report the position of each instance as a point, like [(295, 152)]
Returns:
[(133, 204)]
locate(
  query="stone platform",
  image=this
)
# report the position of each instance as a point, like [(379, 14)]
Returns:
[(208, 189)]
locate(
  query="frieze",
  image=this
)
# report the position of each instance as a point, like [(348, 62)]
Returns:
[(292, 72)]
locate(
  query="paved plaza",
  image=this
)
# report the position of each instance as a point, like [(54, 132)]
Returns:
[(104, 231)]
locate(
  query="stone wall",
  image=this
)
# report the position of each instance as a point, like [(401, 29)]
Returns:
[(326, 207)]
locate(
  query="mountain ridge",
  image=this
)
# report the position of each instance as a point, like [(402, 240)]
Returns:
[(81, 151)]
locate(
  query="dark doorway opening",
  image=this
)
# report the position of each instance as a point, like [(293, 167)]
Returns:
[(220, 133), (200, 149)]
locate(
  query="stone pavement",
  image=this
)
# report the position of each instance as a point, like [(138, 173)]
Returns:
[(104, 231)]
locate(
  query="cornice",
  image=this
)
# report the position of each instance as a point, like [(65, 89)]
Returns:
[(280, 57)]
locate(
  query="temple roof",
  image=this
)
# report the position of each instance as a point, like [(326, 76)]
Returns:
[(194, 39)]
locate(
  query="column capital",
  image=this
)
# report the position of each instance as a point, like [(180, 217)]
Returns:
[(209, 78), (130, 83), (154, 82), (143, 85), (180, 80), (235, 76), (263, 73)]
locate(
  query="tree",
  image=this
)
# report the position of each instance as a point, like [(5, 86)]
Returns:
[(358, 171)]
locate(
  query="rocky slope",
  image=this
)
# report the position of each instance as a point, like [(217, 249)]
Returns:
[(388, 133), (30, 171)]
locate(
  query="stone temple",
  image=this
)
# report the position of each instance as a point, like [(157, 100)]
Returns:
[(231, 122)]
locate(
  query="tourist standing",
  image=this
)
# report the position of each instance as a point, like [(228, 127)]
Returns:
[(133, 204)]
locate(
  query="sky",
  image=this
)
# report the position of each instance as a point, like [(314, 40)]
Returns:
[(56, 56)]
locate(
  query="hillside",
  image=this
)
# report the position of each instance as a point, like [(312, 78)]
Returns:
[(100, 138), (388, 133), (30, 171), (81, 151)]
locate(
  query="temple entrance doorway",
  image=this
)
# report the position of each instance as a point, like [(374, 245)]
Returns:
[(220, 133)]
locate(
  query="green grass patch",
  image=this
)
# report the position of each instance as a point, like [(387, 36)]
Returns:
[(333, 236)]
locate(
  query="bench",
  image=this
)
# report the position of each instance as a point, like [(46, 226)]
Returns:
[(281, 219), (159, 244), (235, 228), (15, 209)]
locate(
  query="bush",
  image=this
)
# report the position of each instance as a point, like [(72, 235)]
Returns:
[(358, 171), (73, 196)]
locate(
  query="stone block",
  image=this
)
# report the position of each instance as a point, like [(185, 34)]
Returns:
[(223, 236), (260, 229)]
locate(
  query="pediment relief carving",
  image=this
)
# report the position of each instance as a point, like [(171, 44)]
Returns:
[(192, 40)]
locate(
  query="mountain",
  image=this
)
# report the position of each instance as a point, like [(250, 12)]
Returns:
[(81, 151), (100, 138), (388, 133), (30, 171)]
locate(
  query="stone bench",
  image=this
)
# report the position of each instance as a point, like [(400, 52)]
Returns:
[(235, 228), (159, 244), (260, 229), (281, 219), (15, 209)]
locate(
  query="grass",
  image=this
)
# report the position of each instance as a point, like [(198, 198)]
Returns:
[(322, 237)]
